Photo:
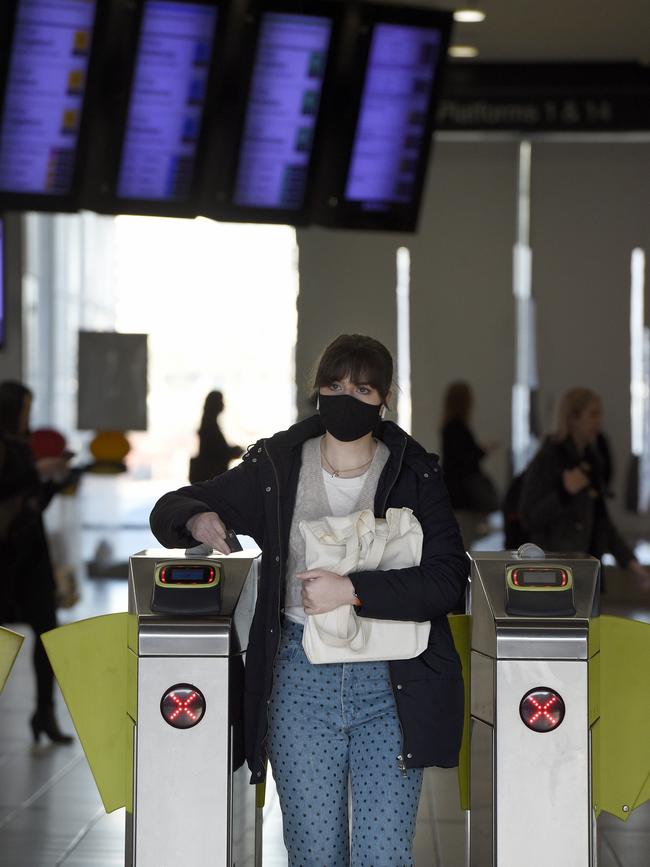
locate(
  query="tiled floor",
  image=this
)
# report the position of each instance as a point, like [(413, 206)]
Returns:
[(51, 814)]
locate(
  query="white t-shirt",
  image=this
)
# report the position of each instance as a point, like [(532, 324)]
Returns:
[(343, 494), (343, 498), (319, 494)]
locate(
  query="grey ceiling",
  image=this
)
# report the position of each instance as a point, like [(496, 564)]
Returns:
[(558, 30)]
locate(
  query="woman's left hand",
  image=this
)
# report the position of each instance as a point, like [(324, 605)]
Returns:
[(323, 591)]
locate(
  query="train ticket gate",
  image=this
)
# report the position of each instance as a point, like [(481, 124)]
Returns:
[(156, 697), (533, 647), (189, 625)]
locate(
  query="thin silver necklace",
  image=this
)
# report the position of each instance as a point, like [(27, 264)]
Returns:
[(336, 474)]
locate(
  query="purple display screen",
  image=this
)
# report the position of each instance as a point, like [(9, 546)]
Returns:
[(167, 101), (2, 282), (283, 105), (44, 96), (395, 100)]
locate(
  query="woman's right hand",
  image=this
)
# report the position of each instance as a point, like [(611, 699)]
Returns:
[(207, 527), (575, 480)]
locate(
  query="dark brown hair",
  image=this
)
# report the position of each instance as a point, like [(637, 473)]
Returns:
[(362, 359), (12, 400)]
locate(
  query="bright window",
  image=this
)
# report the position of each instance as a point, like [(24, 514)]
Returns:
[(218, 301)]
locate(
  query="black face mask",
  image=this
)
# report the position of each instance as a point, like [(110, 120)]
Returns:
[(347, 418)]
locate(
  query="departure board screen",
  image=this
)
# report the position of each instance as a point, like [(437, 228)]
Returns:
[(390, 133), (44, 95), (167, 101), (282, 111)]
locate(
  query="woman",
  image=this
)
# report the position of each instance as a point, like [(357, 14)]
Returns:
[(562, 503), (375, 724), (27, 588), (214, 452), (471, 492)]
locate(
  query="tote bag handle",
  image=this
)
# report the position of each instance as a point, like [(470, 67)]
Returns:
[(339, 628), (375, 553), (349, 631)]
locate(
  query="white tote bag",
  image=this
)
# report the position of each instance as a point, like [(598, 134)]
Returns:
[(355, 543)]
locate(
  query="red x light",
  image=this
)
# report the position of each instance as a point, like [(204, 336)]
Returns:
[(542, 709), (183, 706)]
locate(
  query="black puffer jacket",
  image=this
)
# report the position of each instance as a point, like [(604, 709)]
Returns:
[(257, 498), (559, 521)]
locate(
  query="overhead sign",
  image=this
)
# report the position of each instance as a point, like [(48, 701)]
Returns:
[(545, 97)]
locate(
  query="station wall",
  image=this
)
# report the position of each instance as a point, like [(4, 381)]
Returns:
[(461, 289), (589, 209)]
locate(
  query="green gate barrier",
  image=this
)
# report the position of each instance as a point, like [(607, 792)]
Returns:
[(91, 663), (619, 711), (461, 633), (97, 674), (10, 644), (621, 737)]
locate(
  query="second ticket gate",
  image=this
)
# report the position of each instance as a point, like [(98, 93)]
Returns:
[(532, 649)]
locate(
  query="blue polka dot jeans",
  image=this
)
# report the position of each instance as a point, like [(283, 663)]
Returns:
[(334, 729)]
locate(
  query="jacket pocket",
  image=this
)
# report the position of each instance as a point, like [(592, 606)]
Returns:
[(441, 657), (431, 710)]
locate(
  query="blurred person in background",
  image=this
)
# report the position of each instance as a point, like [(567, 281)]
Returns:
[(27, 586), (562, 503), (472, 492), (214, 452)]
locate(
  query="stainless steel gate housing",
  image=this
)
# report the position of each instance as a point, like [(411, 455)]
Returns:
[(192, 802), (530, 790)]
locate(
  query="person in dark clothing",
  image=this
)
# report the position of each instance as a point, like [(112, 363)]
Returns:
[(471, 491), (403, 715), (513, 528), (27, 587), (214, 452), (606, 461), (563, 506)]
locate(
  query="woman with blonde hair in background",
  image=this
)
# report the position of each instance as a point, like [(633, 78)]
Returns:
[(563, 503)]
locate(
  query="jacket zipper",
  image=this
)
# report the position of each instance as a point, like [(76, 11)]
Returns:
[(401, 762), (279, 625)]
